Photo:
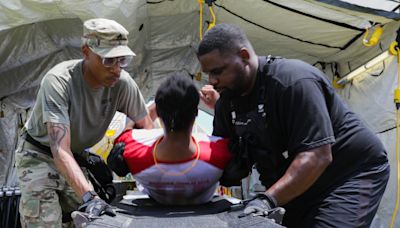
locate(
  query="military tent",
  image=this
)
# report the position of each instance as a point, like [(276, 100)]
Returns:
[(329, 34)]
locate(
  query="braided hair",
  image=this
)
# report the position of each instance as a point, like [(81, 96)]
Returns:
[(176, 101)]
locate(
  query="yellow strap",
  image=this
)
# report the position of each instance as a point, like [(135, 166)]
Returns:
[(393, 49), (376, 35)]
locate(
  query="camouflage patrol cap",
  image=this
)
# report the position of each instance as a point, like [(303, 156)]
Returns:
[(107, 38)]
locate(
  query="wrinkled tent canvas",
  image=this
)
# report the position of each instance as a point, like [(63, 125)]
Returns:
[(36, 35)]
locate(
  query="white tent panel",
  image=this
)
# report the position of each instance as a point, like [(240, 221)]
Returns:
[(388, 203), (365, 95)]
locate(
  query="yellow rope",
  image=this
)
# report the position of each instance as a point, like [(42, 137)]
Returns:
[(398, 170), (201, 19), (214, 20), (396, 98), (212, 23)]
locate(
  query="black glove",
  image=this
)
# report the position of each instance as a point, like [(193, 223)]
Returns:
[(240, 164), (100, 175), (260, 203), (99, 169), (233, 173), (264, 205), (96, 207), (106, 192), (116, 161)]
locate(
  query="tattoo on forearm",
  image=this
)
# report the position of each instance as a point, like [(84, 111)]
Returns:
[(56, 133)]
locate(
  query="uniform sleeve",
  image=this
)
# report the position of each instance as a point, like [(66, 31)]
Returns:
[(132, 102), (305, 115), (54, 97)]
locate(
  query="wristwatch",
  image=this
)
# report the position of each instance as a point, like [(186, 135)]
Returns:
[(89, 195)]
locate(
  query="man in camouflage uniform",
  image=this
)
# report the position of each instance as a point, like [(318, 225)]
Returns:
[(42, 207), (76, 102)]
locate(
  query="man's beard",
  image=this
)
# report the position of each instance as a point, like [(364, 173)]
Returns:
[(227, 94), (236, 91), (230, 93)]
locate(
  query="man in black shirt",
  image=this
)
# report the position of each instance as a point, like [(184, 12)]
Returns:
[(315, 157)]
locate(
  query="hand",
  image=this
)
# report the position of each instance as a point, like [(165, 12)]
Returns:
[(266, 205), (116, 161), (234, 172), (152, 111), (260, 203), (96, 207), (209, 96)]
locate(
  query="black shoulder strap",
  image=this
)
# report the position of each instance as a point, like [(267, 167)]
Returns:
[(264, 74), (264, 64)]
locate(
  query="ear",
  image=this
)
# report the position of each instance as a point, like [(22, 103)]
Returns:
[(244, 54), (85, 51)]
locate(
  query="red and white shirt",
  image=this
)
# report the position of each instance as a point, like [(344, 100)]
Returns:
[(191, 181)]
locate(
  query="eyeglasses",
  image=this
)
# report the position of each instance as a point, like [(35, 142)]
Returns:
[(123, 61)]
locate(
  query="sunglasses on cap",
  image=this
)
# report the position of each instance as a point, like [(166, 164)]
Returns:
[(123, 61)]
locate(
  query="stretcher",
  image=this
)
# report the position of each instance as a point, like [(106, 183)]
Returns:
[(145, 212)]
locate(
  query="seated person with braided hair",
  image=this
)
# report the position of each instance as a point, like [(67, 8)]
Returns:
[(172, 165)]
